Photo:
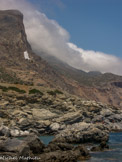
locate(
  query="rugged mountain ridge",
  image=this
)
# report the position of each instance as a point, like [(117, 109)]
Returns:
[(96, 86), (14, 68)]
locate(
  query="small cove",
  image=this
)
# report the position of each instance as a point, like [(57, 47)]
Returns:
[(113, 155), (46, 139)]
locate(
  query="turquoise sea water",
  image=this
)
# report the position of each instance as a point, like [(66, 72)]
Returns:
[(46, 139)]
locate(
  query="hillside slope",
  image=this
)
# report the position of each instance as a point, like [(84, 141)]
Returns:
[(19, 64), (105, 87)]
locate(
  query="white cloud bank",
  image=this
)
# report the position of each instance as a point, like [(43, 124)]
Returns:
[(48, 36)]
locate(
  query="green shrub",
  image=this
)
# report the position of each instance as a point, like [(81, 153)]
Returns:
[(58, 91), (5, 89), (16, 89), (35, 91), (53, 93)]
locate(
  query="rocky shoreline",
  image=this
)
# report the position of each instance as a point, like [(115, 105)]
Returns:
[(72, 120), (32, 149)]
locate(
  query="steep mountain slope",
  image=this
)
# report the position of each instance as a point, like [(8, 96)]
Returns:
[(17, 58), (19, 64), (92, 85), (92, 78)]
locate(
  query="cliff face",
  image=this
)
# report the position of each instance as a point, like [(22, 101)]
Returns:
[(18, 59), (13, 40), (18, 63)]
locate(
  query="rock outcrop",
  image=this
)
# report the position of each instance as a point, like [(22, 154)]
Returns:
[(32, 149), (102, 147), (83, 133), (61, 114)]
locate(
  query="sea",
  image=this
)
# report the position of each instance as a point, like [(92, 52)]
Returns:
[(114, 154)]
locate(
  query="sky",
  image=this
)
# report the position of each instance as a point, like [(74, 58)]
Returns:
[(86, 34), (92, 24)]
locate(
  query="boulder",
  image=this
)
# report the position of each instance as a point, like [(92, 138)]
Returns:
[(84, 153), (25, 124), (59, 152), (22, 148), (4, 131), (102, 147), (33, 141), (116, 118), (106, 112), (58, 146), (54, 127), (13, 145), (70, 118), (23, 121), (42, 114), (59, 156), (15, 132), (14, 149), (3, 114), (82, 133)]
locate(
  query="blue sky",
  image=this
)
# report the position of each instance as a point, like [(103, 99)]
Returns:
[(92, 24), (94, 27)]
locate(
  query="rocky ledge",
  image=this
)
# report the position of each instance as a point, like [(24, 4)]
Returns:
[(51, 114), (83, 133), (32, 149), (69, 118)]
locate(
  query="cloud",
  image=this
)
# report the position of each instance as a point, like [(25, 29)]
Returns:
[(48, 36), (98, 60)]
